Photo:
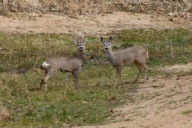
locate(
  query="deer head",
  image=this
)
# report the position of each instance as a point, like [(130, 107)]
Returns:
[(106, 44), (80, 43)]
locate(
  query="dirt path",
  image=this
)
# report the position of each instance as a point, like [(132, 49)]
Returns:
[(89, 25)]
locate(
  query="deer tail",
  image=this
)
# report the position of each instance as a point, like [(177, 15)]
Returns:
[(147, 55)]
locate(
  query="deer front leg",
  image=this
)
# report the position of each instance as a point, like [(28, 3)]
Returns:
[(118, 72), (116, 77), (75, 76)]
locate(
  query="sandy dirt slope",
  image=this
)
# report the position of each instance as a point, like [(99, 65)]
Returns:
[(160, 103), (89, 25)]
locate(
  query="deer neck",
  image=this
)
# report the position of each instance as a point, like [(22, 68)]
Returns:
[(81, 55), (109, 53), (110, 56)]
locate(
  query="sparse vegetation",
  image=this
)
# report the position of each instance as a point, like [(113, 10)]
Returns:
[(88, 6), (186, 112), (171, 102)]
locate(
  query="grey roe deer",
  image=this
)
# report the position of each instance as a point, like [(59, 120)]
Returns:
[(118, 59), (71, 64)]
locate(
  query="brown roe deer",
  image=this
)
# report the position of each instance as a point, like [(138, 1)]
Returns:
[(118, 59), (71, 64)]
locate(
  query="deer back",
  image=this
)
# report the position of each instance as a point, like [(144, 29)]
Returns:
[(129, 55), (64, 64)]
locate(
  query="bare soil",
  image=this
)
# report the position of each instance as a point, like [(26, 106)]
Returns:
[(160, 101), (96, 25)]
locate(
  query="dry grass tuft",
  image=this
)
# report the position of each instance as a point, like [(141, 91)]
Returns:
[(92, 7), (4, 113)]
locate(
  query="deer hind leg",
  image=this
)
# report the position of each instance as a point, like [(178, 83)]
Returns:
[(47, 76), (75, 76), (146, 71), (144, 66), (140, 70), (42, 81)]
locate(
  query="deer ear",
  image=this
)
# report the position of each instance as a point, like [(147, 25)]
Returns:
[(85, 40), (82, 36), (110, 39), (102, 40), (74, 41)]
